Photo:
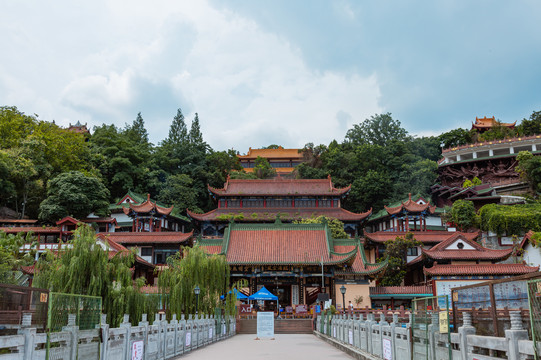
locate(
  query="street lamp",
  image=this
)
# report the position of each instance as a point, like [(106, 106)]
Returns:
[(196, 291), (343, 291)]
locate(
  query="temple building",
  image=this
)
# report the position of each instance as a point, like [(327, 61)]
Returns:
[(296, 261), (262, 201), (280, 159), (135, 213), (413, 214), (153, 247), (493, 162), (485, 124), (461, 261)]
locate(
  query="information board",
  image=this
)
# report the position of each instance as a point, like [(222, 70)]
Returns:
[(387, 349), (265, 324), (188, 339), (137, 350)]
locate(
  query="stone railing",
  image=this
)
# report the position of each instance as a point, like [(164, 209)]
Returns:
[(159, 341), (394, 340)]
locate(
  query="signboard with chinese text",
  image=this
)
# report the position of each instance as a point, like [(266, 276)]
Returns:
[(265, 324)]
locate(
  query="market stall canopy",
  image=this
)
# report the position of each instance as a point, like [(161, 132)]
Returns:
[(263, 294)]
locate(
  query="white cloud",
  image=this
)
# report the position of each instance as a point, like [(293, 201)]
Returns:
[(250, 87)]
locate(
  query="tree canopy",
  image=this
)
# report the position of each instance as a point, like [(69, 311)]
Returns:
[(74, 194)]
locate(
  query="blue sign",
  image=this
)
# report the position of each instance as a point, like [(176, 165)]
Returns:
[(318, 309)]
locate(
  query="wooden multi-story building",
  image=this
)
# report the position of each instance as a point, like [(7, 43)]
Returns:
[(280, 159), (262, 201)]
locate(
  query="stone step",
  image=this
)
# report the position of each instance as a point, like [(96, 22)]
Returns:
[(293, 326)]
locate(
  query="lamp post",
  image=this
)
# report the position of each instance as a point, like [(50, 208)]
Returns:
[(196, 291), (343, 291)]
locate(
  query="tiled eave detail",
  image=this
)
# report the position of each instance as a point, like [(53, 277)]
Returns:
[(480, 269), (270, 214)]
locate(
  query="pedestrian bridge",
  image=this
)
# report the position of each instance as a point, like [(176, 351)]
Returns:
[(283, 347)]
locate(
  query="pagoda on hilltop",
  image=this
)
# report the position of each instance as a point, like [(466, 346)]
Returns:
[(485, 124), (264, 200)]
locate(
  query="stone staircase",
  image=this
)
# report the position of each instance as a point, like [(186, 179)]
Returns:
[(284, 326)]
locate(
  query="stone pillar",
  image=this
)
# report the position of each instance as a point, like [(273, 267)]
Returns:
[(463, 332), (143, 323), (74, 338), (104, 328), (29, 336), (515, 334)]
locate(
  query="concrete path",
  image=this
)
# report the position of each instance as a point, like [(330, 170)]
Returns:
[(284, 347)]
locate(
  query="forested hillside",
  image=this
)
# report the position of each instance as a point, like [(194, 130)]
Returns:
[(41, 162)]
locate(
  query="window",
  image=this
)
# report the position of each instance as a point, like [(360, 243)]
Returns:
[(146, 251), (279, 203), (161, 255), (233, 203), (305, 203), (252, 203), (413, 251)]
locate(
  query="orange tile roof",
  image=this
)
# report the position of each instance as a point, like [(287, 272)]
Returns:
[(147, 206), (269, 214), (480, 269), (34, 229), (416, 289), (410, 206), (360, 264), (279, 153), (485, 123), (121, 250), (422, 236), (18, 221), (289, 244), (441, 251), (279, 187), (166, 237)]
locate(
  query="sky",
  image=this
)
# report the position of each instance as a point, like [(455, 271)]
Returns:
[(271, 72)]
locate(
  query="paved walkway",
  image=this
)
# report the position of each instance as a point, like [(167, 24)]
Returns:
[(284, 347)]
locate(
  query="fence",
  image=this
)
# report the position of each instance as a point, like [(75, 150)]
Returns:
[(491, 303), (394, 340), (159, 341), (18, 300), (534, 298), (86, 309)]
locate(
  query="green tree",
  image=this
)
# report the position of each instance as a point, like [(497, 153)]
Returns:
[(529, 168), (335, 226), (531, 126), (395, 252), (86, 268), (190, 268), (74, 194), (122, 157), (369, 191), (378, 130), (179, 191), (243, 175), (455, 137), (263, 169), (463, 214), (11, 256)]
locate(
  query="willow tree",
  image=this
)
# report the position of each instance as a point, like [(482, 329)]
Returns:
[(192, 267), (85, 268)]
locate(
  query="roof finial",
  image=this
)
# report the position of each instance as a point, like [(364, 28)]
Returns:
[(148, 197), (409, 196)]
